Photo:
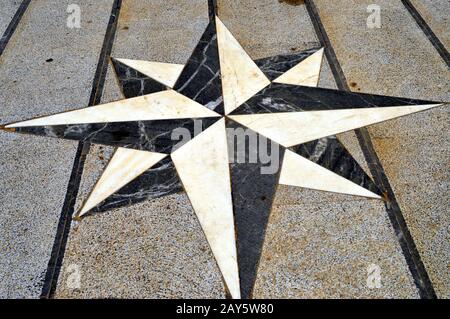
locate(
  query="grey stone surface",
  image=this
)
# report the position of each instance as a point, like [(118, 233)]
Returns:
[(399, 60), (266, 28), (35, 171), (9, 8), (437, 16), (316, 243), (160, 30), (322, 245), (154, 249)]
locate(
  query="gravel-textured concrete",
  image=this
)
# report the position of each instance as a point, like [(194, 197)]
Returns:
[(9, 8), (318, 244), (437, 16), (399, 60), (35, 171), (268, 27), (321, 245), (155, 249)]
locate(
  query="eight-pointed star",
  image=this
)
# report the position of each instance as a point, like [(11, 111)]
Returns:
[(220, 87)]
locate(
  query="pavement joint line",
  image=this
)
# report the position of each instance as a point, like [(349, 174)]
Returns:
[(64, 224), (7, 35), (431, 36), (409, 248)]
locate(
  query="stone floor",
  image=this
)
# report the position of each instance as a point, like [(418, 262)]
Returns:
[(318, 245)]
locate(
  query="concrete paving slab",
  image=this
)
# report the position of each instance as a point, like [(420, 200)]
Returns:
[(322, 245), (266, 28), (399, 60), (9, 8), (165, 31), (155, 249), (297, 262), (437, 16), (36, 170)]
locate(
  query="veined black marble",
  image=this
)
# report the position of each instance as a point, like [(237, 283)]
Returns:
[(133, 83), (152, 136), (279, 97), (274, 67), (200, 79), (331, 154), (253, 193), (160, 180)]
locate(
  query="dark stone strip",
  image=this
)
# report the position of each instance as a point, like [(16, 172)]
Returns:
[(63, 228), (438, 45), (412, 256), (329, 50), (212, 9), (13, 25)]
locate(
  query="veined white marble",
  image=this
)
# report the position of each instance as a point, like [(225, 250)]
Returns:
[(206, 179), (241, 77), (306, 73), (124, 166), (298, 171), (164, 73), (293, 128), (157, 106)]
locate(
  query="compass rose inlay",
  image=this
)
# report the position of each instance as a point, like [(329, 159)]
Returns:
[(221, 89)]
